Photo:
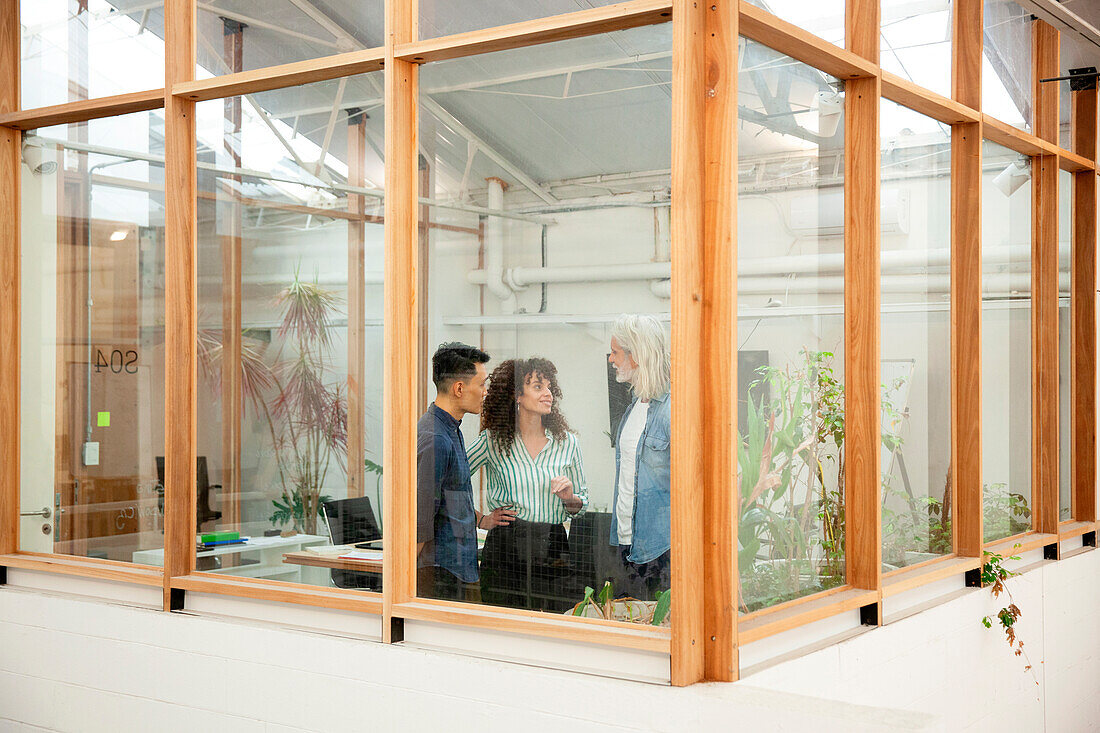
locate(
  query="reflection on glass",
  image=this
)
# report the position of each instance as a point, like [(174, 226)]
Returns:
[(1006, 63), (916, 337), (916, 42), (824, 18), (444, 17), (1006, 342), (236, 35), (1065, 338), (790, 329), (548, 219), (1075, 53), (92, 339), (79, 50), (290, 338)]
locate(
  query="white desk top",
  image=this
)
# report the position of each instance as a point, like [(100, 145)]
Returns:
[(156, 557)]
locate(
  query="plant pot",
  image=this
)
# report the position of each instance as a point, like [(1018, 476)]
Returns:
[(628, 610)]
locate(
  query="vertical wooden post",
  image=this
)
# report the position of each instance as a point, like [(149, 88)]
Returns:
[(10, 141), (180, 293), (229, 221), (966, 284), (720, 326), (1044, 288), (689, 27), (401, 337), (357, 144), (862, 296), (1083, 305)]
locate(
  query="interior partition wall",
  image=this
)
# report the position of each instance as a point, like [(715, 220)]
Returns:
[(863, 238)]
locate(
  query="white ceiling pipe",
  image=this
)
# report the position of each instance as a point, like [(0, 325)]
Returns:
[(1005, 283), (494, 246), (834, 262), (521, 277)]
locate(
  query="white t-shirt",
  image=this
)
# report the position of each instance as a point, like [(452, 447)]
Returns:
[(628, 458)]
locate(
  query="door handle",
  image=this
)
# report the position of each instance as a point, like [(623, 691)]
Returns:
[(44, 512)]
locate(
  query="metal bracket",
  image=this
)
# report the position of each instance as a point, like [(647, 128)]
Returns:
[(1050, 552), (1079, 79), (973, 578), (397, 630), (1088, 539), (869, 615), (175, 599)]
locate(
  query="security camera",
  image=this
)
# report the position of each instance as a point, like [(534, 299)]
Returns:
[(1016, 174), (830, 106), (36, 159)]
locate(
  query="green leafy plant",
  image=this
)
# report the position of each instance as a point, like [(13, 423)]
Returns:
[(994, 575), (1004, 513), (604, 603)]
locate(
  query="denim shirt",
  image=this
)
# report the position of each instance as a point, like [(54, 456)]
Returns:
[(652, 476), (445, 519)]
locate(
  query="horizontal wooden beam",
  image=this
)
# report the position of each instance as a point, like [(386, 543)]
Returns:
[(534, 32), (1071, 529), (1021, 543), (787, 38), (85, 567), (594, 631), (273, 590), (1074, 163), (909, 578), (789, 616), (1014, 138), (927, 103), (90, 109), (282, 76)]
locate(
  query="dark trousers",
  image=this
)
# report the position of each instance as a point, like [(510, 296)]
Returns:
[(644, 580), (440, 583), (527, 565)]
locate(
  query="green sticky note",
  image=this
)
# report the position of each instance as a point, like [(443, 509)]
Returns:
[(103, 419)]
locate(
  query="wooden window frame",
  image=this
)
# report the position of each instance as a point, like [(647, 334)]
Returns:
[(703, 643)]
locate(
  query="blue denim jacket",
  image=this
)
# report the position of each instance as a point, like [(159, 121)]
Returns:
[(652, 476)]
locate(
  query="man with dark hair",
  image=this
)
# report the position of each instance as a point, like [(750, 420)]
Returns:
[(446, 521)]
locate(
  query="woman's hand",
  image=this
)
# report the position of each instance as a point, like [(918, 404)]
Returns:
[(499, 516), (562, 487)]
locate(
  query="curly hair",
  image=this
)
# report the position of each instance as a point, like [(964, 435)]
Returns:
[(506, 383)]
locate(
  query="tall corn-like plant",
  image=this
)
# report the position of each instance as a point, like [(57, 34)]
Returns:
[(309, 415)]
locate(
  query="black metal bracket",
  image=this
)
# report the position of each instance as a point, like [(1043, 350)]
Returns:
[(1050, 552), (397, 629), (3, 575), (1079, 79), (973, 578), (869, 615), (1088, 539), (175, 599)]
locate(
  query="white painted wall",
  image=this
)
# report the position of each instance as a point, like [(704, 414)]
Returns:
[(944, 662), (76, 664)]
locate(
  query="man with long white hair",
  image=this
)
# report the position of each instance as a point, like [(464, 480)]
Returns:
[(641, 520)]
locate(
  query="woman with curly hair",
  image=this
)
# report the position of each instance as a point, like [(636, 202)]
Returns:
[(534, 467)]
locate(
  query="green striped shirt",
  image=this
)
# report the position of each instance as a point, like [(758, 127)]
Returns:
[(524, 482)]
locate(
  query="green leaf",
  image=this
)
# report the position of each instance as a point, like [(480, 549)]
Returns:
[(664, 603)]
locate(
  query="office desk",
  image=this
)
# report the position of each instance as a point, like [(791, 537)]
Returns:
[(267, 550), (333, 562)]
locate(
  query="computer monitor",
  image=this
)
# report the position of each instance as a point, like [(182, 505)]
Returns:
[(351, 521)]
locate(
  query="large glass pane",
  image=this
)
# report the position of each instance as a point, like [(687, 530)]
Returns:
[(1065, 346), (290, 359), (790, 328), (1076, 53), (547, 172), (916, 337), (241, 35), (916, 42), (824, 18), (1006, 63), (92, 339), (1006, 342), (445, 17), (75, 50)]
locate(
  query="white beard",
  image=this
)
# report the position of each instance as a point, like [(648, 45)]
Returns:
[(625, 374)]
